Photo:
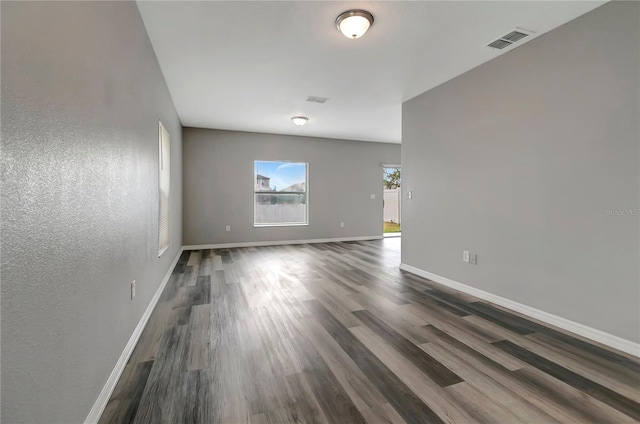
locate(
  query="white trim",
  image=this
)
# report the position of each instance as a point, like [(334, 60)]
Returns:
[(164, 249), (105, 394), (610, 340), (276, 243)]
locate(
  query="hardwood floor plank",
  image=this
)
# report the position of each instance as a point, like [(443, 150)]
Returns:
[(151, 336), (593, 349), (337, 308), (444, 405), (336, 333), (466, 336), (171, 288), (278, 349), (560, 395), (359, 388), (620, 369), (508, 321), (610, 375), (182, 263), (199, 355), (197, 398), (426, 300), (194, 258), (304, 404), (382, 414), (488, 388), (477, 368), (124, 402), (330, 395), (395, 314), (592, 388), (405, 402), (626, 385), (161, 400), (425, 363)]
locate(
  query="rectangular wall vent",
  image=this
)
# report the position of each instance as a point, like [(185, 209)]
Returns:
[(316, 99), (509, 39)]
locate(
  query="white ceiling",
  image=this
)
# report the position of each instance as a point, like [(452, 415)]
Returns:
[(249, 66)]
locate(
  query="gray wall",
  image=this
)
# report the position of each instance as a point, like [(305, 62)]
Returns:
[(82, 94), (218, 185), (519, 160)]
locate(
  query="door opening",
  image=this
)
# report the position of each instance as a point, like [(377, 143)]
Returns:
[(391, 205)]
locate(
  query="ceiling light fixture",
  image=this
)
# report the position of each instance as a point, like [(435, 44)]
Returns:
[(299, 120), (354, 23)]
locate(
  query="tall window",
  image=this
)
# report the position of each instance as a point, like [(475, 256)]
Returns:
[(280, 193), (163, 190)]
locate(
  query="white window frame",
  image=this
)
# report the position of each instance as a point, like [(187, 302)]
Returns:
[(164, 184), (306, 192)]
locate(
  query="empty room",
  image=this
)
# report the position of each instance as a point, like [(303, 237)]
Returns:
[(320, 212)]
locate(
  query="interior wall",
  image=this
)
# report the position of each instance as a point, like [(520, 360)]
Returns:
[(218, 185), (532, 162), (82, 94)]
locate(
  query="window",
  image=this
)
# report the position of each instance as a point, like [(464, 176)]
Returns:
[(280, 193), (163, 190)]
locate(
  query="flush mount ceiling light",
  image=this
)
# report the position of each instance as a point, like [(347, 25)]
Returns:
[(299, 120), (354, 23)]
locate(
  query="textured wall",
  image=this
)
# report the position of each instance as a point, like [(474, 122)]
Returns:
[(525, 161), (218, 185), (82, 94)]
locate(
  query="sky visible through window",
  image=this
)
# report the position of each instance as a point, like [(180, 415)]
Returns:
[(282, 174)]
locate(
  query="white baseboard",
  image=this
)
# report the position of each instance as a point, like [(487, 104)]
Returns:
[(105, 394), (607, 339), (277, 243)]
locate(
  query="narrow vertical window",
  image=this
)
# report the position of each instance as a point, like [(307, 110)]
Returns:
[(163, 190)]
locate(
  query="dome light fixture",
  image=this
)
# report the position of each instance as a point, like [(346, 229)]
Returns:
[(354, 23), (299, 120)]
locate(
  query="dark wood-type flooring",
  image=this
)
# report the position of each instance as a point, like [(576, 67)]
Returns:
[(335, 333)]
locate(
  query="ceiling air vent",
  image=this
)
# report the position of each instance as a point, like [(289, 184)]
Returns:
[(499, 44), (511, 38), (316, 99)]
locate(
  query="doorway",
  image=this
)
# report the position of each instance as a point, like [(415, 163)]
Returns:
[(391, 204)]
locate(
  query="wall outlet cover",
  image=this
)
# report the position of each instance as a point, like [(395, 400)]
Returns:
[(465, 256)]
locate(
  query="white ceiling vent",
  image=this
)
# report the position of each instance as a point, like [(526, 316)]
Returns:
[(316, 99), (509, 39)]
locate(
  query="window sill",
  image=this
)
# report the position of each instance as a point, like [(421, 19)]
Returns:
[(164, 249), (286, 224)]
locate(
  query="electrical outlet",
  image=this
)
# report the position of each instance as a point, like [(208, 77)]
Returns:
[(473, 259), (373, 197), (410, 194), (133, 289), (227, 228), (465, 256), (342, 225)]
